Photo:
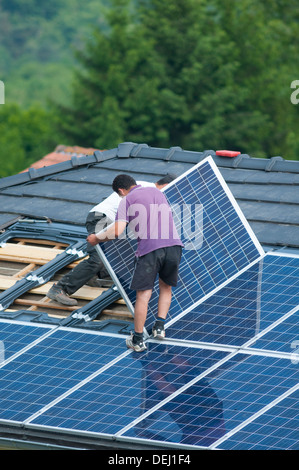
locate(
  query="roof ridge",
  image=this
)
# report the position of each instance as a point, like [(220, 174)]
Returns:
[(74, 161), (135, 150), (244, 161)]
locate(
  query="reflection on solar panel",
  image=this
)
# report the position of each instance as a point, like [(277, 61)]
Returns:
[(256, 299), (208, 410), (275, 429), (128, 389), (235, 388), (218, 241)]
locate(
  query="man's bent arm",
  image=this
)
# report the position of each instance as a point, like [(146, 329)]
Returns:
[(112, 232)]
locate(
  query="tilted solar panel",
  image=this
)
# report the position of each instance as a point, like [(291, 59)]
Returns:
[(218, 241)]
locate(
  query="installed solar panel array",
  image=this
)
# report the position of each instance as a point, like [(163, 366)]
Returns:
[(225, 378)]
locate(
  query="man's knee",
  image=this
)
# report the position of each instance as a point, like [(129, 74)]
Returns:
[(163, 286), (144, 295)]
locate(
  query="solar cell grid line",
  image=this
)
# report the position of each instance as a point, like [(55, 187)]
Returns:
[(230, 315), (252, 302), (279, 336), (52, 367), (274, 427), (17, 337), (76, 387), (218, 240), (124, 392), (245, 386)]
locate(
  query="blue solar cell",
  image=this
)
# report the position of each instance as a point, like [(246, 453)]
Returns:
[(245, 306), (219, 402), (283, 338), (51, 368), (276, 429), (16, 336), (129, 388), (218, 241)]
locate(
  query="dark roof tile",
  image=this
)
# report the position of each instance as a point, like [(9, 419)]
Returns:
[(266, 189)]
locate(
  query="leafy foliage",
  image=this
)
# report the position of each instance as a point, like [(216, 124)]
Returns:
[(25, 137), (206, 74), (198, 74)]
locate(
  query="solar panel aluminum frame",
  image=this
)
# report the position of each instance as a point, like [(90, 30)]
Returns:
[(240, 214), (115, 279), (48, 330), (120, 435), (97, 437)]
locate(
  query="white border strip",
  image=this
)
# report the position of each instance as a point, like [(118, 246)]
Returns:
[(255, 416), (27, 323), (283, 254), (91, 332)]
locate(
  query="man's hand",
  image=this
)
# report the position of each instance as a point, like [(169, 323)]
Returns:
[(92, 239), (112, 232)]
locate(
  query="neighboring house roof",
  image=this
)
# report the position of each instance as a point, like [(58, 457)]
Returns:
[(60, 154), (266, 189)]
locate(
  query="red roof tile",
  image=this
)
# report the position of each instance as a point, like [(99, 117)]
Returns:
[(61, 154)]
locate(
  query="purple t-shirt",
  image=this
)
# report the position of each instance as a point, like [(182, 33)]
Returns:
[(150, 220)]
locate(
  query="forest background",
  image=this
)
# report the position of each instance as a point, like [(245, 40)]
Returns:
[(200, 74)]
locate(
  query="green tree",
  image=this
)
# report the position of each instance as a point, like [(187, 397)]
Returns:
[(25, 137), (265, 37), (199, 74)]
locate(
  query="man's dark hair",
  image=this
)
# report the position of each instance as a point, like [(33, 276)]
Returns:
[(166, 179), (123, 182)]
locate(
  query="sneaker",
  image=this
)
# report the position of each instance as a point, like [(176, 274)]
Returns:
[(137, 346), (58, 294), (158, 330)]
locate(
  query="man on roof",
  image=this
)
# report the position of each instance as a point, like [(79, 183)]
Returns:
[(159, 249), (92, 268)]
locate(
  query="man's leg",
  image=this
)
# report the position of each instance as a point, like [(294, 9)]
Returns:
[(83, 272), (164, 299), (164, 302), (168, 278), (140, 312)]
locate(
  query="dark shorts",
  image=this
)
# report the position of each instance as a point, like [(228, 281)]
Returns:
[(164, 261)]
